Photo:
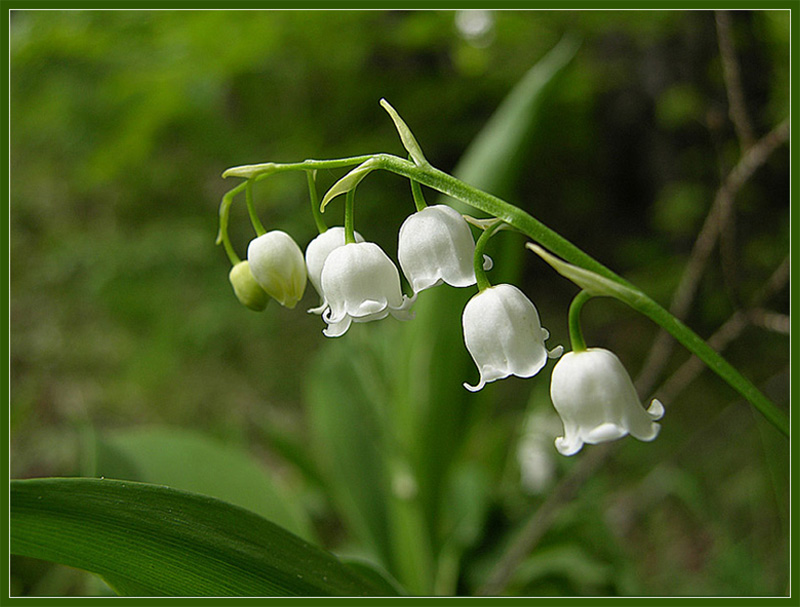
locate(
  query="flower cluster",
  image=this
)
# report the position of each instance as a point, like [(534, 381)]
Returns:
[(358, 282)]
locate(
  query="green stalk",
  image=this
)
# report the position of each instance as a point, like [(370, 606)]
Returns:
[(575, 332), (419, 199), (251, 209), (311, 175), (477, 260), (528, 225), (349, 217), (265, 169), (224, 213)]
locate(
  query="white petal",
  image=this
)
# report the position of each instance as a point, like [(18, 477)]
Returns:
[(604, 433), (318, 250), (597, 401), (569, 444), (656, 409), (319, 309), (503, 335), (337, 329), (435, 245), (476, 387), (360, 282)]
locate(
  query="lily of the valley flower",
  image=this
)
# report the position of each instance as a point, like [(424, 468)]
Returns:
[(247, 289), (504, 336), (360, 284), (317, 252), (595, 397), (537, 462), (435, 245), (278, 266)]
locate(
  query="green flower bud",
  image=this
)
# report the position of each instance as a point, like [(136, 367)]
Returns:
[(247, 290)]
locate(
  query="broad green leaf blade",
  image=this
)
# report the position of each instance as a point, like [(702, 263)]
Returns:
[(190, 461), (158, 541)]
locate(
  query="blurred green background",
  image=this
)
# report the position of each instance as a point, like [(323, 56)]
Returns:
[(123, 320)]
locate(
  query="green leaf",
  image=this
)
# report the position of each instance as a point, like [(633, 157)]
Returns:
[(343, 393), (348, 182), (152, 540), (406, 136), (190, 461), (380, 577), (492, 160), (591, 282)]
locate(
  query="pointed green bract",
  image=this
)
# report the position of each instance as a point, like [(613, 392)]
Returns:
[(348, 182), (251, 170), (406, 136), (587, 280)]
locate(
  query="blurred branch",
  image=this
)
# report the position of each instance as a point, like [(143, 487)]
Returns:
[(771, 321), (730, 330), (541, 520), (715, 222), (737, 112), (733, 81)]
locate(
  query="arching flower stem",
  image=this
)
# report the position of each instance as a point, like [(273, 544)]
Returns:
[(265, 169), (575, 332), (311, 176), (251, 209), (224, 213), (416, 192), (480, 274), (349, 217)]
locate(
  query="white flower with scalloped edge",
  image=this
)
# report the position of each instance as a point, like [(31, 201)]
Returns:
[(361, 284), (504, 336), (597, 402), (435, 245), (277, 264), (317, 252)]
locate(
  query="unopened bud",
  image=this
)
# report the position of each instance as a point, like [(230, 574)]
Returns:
[(247, 290), (278, 265)]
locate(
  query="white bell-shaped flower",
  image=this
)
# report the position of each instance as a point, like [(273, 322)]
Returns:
[(277, 264), (504, 336), (317, 252), (361, 284), (537, 462), (595, 397), (435, 245)]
